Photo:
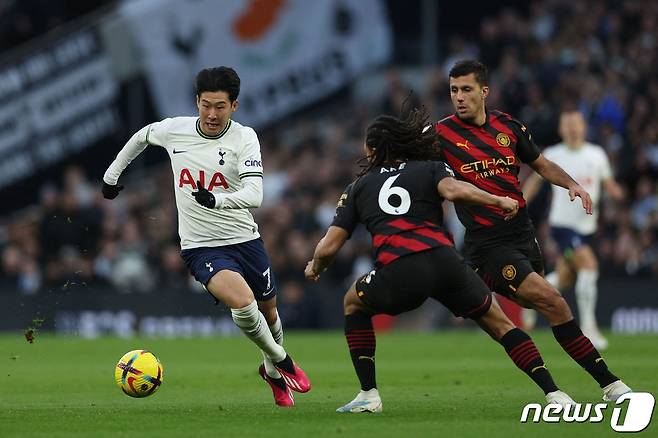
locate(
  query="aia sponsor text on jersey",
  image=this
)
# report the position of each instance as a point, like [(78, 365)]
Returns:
[(216, 180)]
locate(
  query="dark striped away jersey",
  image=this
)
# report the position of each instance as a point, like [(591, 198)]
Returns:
[(400, 206), (489, 157)]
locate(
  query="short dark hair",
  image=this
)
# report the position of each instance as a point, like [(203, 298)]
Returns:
[(468, 66), (218, 79), (392, 139)]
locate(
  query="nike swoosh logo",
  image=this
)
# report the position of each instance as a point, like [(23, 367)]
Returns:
[(268, 292), (178, 152)]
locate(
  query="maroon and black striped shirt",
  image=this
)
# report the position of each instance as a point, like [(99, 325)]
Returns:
[(489, 157), (400, 207)]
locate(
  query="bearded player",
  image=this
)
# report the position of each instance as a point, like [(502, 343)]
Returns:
[(487, 148)]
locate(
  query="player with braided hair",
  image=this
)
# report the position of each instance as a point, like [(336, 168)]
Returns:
[(411, 139), (398, 197)]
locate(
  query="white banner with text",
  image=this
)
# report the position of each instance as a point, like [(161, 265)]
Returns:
[(288, 53), (54, 101)]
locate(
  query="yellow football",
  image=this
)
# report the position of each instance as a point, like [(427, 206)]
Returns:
[(138, 373)]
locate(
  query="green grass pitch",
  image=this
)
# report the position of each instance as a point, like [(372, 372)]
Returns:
[(453, 384)]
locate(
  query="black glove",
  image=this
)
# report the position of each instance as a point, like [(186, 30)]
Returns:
[(111, 191), (204, 197)]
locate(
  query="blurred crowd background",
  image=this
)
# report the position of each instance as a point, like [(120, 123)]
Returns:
[(541, 54)]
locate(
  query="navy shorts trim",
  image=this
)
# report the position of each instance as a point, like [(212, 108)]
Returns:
[(568, 240), (248, 259)]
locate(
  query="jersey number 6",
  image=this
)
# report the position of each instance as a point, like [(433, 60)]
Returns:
[(385, 194)]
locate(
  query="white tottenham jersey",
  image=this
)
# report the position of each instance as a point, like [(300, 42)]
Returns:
[(589, 166), (219, 162)]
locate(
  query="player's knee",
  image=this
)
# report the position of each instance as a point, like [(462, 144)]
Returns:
[(589, 264), (351, 303), (239, 301), (349, 306), (233, 298), (554, 304), (544, 298), (230, 289), (585, 258)]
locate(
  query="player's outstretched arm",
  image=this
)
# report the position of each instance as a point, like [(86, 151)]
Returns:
[(325, 252), (554, 174), (461, 191)]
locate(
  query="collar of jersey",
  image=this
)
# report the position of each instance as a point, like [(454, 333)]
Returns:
[(211, 137), (487, 115)]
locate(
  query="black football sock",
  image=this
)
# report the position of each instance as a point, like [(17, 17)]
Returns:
[(361, 341), (580, 348), (286, 365), (526, 357)]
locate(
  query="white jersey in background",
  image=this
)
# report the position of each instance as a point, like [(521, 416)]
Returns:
[(224, 163), (589, 166)]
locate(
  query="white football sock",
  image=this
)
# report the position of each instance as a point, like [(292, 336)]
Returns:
[(586, 295), (253, 324), (553, 279), (277, 333)]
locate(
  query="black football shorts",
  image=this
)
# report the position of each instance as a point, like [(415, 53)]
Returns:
[(439, 273), (505, 264)]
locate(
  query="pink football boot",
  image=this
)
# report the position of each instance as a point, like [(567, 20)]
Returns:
[(282, 394), (297, 379)]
